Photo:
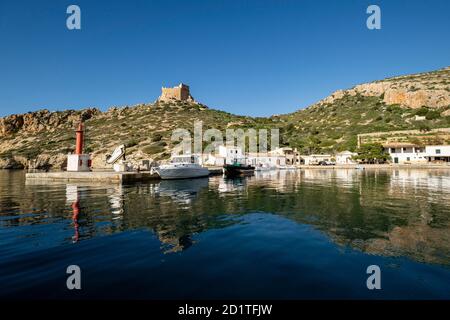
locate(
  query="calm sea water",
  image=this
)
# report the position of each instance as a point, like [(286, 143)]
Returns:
[(278, 235)]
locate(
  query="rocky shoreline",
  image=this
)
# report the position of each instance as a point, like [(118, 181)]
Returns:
[(43, 161)]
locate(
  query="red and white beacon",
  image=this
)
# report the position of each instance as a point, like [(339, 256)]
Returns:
[(78, 161)]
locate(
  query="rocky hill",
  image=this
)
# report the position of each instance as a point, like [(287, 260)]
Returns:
[(431, 89), (418, 101), (43, 138)]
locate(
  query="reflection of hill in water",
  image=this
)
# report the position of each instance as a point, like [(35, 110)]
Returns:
[(385, 212)]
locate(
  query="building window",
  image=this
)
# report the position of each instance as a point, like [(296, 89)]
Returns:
[(438, 151), (408, 159)]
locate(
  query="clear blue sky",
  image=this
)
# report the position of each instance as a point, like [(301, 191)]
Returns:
[(253, 57)]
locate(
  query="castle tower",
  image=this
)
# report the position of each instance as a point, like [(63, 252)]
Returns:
[(178, 93)]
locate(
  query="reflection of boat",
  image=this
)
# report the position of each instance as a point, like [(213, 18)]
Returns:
[(182, 167), (280, 167), (182, 191), (238, 184), (237, 169), (263, 167), (116, 200)]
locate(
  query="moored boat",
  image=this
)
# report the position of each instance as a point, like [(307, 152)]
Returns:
[(237, 169), (182, 167)]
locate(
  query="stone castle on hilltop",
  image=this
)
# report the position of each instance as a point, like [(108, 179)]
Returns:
[(178, 93)]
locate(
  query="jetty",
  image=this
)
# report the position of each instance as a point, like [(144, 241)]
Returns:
[(93, 176), (100, 176)]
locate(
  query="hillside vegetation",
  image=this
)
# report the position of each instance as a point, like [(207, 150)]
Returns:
[(334, 126), (330, 125)]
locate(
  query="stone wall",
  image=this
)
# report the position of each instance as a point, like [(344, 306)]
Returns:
[(179, 93)]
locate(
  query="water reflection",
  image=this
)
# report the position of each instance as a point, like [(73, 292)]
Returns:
[(382, 212), (73, 199), (116, 201), (180, 191)]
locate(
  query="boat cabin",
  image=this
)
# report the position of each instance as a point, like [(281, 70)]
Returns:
[(185, 159)]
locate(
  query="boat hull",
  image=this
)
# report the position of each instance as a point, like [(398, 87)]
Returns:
[(182, 173), (232, 171)]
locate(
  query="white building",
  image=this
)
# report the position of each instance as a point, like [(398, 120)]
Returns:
[(266, 159), (291, 156), (314, 159), (231, 154), (345, 157), (437, 153), (404, 153), (225, 155)]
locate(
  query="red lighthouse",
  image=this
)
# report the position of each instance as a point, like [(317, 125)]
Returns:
[(78, 161), (80, 137)]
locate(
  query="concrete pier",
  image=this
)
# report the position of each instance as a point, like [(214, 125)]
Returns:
[(94, 176), (101, 176)]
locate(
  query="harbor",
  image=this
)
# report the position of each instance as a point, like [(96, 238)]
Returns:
[(230, 161), (224, 159)]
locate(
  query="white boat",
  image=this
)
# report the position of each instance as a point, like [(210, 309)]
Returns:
[(118, 153), (182, 167)]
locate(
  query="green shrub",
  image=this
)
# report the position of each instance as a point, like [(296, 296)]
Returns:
[(30, 153), (156, 137), (422, 111), (153, 149), (131, 143), (432, 115)]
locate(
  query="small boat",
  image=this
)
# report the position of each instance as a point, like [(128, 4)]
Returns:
[(182, 167), (118, 153), (237, 169)]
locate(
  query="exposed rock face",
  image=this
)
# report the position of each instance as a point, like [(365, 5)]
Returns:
[(43, 120), (32, 124), (10, 163), (44, 161), (431, 89)]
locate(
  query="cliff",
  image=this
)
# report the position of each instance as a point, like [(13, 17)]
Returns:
[(431, 89), (43, 120)]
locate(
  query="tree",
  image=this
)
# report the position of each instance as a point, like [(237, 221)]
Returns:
[(423, 127), (372, 153)]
